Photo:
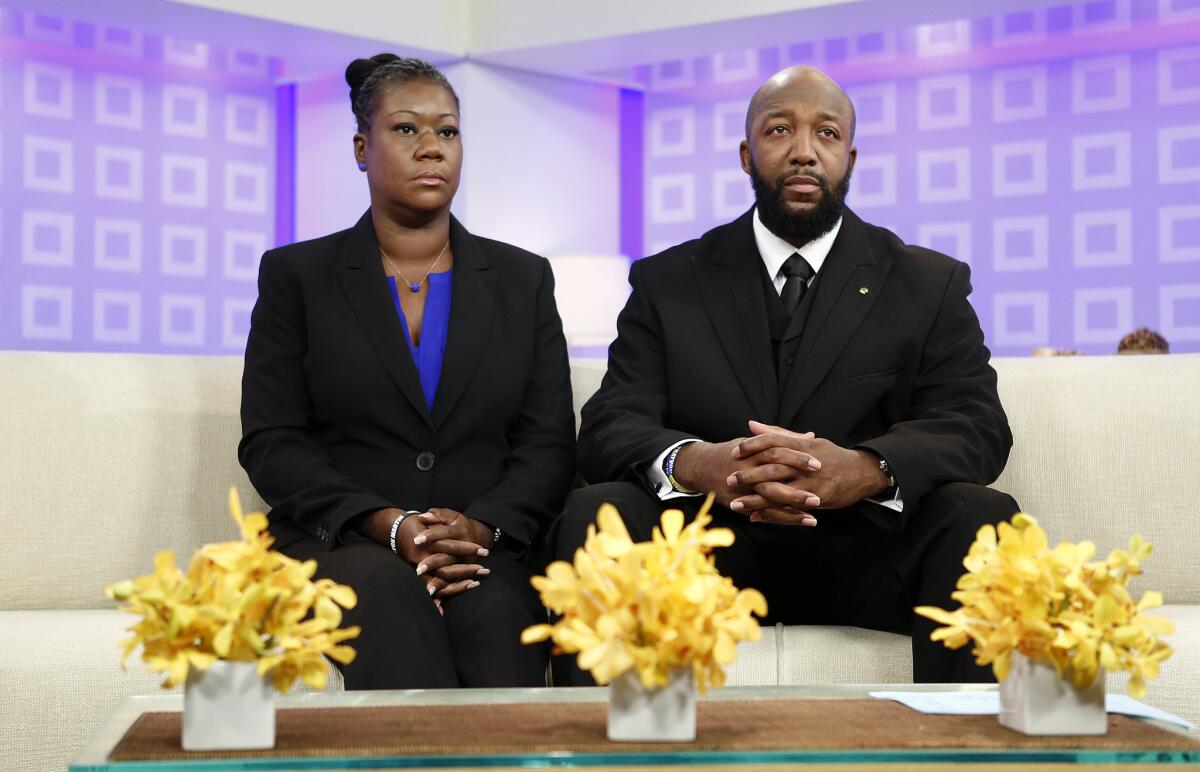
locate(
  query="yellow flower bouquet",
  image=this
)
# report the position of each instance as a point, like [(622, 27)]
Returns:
[(239, 601), (1057, 606), (650, 607)]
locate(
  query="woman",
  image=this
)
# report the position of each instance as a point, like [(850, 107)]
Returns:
[(406, 405)]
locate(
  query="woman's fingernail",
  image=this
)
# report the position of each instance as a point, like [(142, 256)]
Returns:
[(754, 518), (731, 480), (735, 505), (420, 569), (419, 539), (814, 464), (812, 501), (472, 585), (431, 589), (482, 552), (483, 571)]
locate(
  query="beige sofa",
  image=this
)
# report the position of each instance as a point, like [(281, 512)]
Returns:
[(109, 458)]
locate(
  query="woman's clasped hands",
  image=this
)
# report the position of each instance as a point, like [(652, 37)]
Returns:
[(444, 546)]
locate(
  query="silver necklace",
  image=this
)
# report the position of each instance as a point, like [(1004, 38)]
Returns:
[(415, 286)]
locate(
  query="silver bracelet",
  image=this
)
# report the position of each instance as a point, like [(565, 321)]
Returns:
[(396, 527)]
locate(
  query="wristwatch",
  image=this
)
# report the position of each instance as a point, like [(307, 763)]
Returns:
[(887, 472)]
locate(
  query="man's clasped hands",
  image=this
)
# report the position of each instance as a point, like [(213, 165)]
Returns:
[(780, 476)]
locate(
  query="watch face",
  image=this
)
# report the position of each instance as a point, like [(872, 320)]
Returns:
[(887, 472), (505, 543)]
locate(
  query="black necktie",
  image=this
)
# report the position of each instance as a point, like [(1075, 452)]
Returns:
[(798, 272)]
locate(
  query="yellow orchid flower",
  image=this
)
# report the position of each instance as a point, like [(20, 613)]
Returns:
[(1057, 605), (650, 606), (239, 601)]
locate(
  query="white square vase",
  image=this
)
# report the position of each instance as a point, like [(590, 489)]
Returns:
[(1034, 700), (229, 706), (664, 714)]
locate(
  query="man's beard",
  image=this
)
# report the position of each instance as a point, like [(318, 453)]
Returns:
[(803, 226)]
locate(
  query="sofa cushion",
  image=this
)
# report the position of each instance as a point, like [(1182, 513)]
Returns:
[(1178, 684), (757, 663), (108, 459), (819, 655), (62, 677), (1105, 447)]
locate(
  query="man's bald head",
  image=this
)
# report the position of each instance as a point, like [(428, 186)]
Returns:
[(803, 83)]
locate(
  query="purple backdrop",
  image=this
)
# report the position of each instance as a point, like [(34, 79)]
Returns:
[(137, 188), (1055, 150)]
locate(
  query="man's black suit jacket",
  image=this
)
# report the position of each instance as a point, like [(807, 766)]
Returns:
[(334, 420), (889, 357)]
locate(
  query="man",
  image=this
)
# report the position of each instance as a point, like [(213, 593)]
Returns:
[(829, 385)]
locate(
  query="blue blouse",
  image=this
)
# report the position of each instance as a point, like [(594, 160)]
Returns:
[(434, 326)]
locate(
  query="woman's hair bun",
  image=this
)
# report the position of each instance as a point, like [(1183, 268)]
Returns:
[(368, 77), (359, 70)]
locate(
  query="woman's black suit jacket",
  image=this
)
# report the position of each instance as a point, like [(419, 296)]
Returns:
[(334, 422)]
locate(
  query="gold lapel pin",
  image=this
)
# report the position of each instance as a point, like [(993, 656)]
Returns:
[(863, 290)]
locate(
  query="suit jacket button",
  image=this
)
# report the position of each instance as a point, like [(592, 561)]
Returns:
[(425, 461)]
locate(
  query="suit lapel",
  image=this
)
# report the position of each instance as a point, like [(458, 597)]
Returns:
[(472, 303), (366, 287), (838, 308), (727, 266)]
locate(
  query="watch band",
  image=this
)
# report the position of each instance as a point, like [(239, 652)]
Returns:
[(505, 543), (887, 472)]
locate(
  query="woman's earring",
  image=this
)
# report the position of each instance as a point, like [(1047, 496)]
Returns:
[(362, 167)]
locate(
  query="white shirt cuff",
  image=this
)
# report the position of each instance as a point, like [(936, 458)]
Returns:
[(656, 478), (895, 503)]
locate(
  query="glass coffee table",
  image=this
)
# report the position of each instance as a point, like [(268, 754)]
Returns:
[(95, 755)]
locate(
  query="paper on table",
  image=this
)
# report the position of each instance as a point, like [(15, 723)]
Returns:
[(988, 703), (946, 703)]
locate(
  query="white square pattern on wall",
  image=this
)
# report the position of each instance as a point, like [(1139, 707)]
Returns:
[(138, 187)]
